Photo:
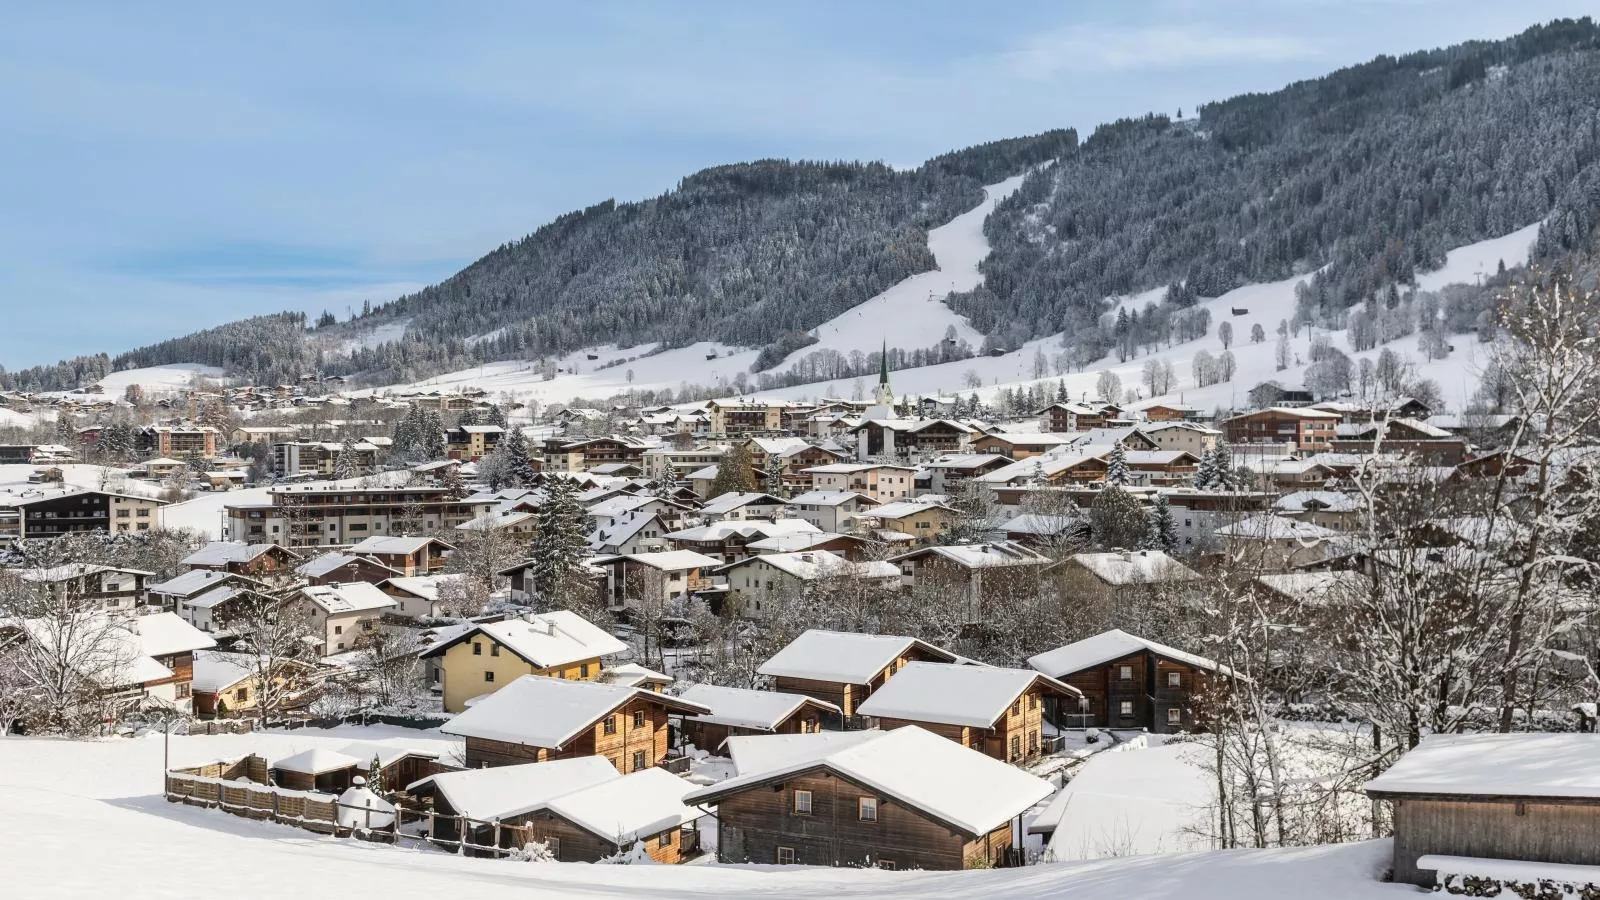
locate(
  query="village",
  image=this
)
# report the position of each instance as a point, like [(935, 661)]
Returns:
[(894, 633)]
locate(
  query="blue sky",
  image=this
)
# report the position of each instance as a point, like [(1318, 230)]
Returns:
[(171, 166)]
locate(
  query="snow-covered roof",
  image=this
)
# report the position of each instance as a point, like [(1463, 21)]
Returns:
[(776, 445), (981, 556), (1497, 765), (829, 498), (723, 504), (317, 761), (68, 571), (954, 695), (1108, 646), (841, 656), (163, 634), (629, 807), (385, 754), (549, 712), (674, 560), (546, 640), (1331, 501), (852, 468), (505, 791), (355, 596), (742, 708), (215, 596), (1268, 527), (618, 533), (812, 564), (1129, 567), (901, 509), (790, 543), (424, 586), (222, 553), (967, 461), (746, 528), (392, 545), (959, 786), (1317, 588), (1038, 524), (332, 562), (633, 675), (217, 671), (763, 752)]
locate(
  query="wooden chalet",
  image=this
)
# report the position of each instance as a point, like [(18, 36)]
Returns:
[(489, 656), (340, 568), (239, 558), (537, 719), (1472, 804), (998, 712), (738, 711), (407, 555), (1129, 682), (902, 799), (843, 668)]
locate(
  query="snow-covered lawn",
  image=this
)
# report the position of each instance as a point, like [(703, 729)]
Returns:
[(85, 819), (1134, 801)]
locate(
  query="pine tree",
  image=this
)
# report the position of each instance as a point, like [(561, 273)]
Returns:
[(560, 546), (1163, 531), (452, 482), (469, 416), (1116, 519), (519, 468), (1226, 479), (734, 473), (494, 415), (432, 436), (344, 465), (1205, 474), (1117, 466)]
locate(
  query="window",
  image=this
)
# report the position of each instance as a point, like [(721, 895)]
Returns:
[(867, 809), (1174, 716), (488, 676), (341, 645), (183, 690), (338, 629), (1033, 701), (638, 718), (785, 856), (609, 726), (1125, 708), (665, 838), (477, 649), (1125, 673), (494, 649), (1016, 707), (886, 864), (802, 803), (1016, 746), (143, 513), (122, 514), (583, 670), (1174, 679), (638, 761), (242, 694)]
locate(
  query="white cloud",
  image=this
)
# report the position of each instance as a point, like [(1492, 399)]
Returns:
[(1092, 48)]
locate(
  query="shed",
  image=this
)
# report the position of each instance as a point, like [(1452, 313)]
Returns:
[(317, 769), (1494, 797)]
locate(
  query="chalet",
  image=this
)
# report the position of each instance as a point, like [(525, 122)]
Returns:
[(998, 712), (666, 575), (829, 510), (338, 568), (310, 515), (975, 572), (1308, 430), (1173, 412), (180, 440), (107, 589), (1069, 465), (211, 609), (635, 675), (746, 416), (406, 555), (847, 546), (485, 796), (139, 660), (729, 541), (674, 464), (52, 510), (1277, 542), (239, 558), (1130, 682), (342, 613), (843, 668), (229, 684), (418, 595), (1040, 530), (472, 442), (738, 711), (1089, 577), (537, 719), (743, 505), (1186, 436), (1282, 474), (174, 592), (880, 482), (1479, 804), (1427, 443), (759, 579), (561, 455), (1019, 445), (645, 807), (948, 473), (902, 438), (513, 525), (892, 799), (1328, 509), (485, 657), (794, 465), (923, 522), (631, 533), (1128, 437)]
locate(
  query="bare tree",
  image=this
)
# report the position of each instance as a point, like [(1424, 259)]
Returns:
[(278, 632)]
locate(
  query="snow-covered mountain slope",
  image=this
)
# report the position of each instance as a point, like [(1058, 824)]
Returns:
[(889, 315), (85, 815)]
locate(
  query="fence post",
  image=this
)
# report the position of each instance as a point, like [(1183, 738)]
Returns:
[(461, 835), (497, 838), (274, 805)]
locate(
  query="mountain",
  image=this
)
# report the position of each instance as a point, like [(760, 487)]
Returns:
[(1361, 181)]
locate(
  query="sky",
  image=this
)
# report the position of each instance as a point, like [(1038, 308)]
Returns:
[(168, 167)]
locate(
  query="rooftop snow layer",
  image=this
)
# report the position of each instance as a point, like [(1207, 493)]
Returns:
[(1497, 765), (976, 696), (841, 656), (743, 708), (1108, 646)]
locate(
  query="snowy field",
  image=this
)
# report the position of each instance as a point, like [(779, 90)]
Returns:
[(14, 479), (1135, 802), (911, 315), (86, 819)]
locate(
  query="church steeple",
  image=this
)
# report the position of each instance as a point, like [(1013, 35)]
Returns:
[(883, 395), (883, 365)]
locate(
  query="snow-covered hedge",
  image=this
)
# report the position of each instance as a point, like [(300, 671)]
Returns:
[(1540, 889)]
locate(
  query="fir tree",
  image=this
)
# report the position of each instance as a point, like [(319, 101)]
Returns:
[(1163, 532), (469, 416), (494, 415), (513, 451), (560, 547), (452, 482), (1205, 474), (734, 473), (1116, 519), (1226, 478), (432, 436), (344, 465), (1117, 466)]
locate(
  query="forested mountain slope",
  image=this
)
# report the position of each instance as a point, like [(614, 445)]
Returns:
[(1366, 176)]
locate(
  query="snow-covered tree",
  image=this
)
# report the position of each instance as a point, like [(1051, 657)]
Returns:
[(1117, 466), (560, 549)]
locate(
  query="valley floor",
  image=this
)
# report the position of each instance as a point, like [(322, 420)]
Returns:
[(82, 819)]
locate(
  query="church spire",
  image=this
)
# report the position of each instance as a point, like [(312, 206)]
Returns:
[(883, 365)]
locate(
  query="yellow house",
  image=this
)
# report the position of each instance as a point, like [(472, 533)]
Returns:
[(490, 656), (923, 521)]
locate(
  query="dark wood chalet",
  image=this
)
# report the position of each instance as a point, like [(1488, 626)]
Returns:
[(1129, 682), (899, 799), (998, 712), (738, 711), (537, 719), (842, 668), (343, 568)]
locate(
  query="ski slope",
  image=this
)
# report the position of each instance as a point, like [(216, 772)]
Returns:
[(86, 819), (960, 247)]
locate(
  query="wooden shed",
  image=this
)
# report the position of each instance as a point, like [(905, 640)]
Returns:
[(843, 668), (1494, 798), (317, 769)]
